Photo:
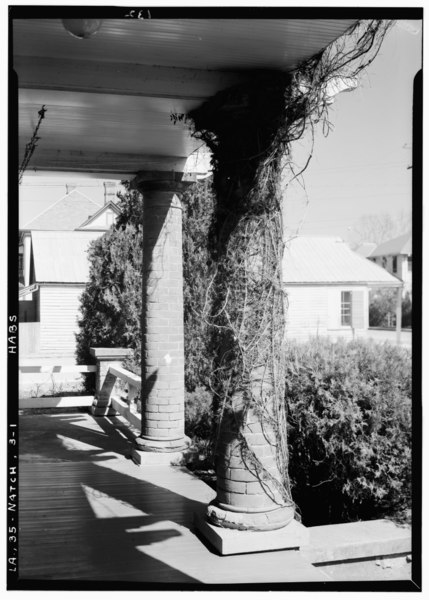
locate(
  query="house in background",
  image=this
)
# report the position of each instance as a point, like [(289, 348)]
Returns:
[(395, 256), (365, 249), (327, 286), (54, 269), (58, 275), (73, 211), (102, 220)]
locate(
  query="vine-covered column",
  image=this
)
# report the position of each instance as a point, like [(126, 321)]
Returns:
[(249, 130), (248, 304)]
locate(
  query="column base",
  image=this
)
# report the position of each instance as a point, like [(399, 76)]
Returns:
[(222, 517), (156, 452), (234, 541), (148, 444), (103, 411), (143, 458)]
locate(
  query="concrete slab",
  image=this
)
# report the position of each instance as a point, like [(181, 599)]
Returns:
[(350, 541), (89, 514), (233, 541), (143, 458), (370, 569)]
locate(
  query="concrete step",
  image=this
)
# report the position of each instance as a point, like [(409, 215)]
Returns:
[(351, 541)]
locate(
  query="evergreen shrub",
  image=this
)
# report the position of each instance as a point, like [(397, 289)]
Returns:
[(349, 430), (382, 309), (111, 303), (199, 415)]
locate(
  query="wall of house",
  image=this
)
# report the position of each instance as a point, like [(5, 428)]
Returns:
[(403, 268), (29, 339), (103, 221), (307, 312), (59, 310), (29, 308), (360, 300), (316, 311), (407, 273)]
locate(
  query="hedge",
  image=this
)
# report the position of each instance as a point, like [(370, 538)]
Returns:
[(349, 430), (349, 435)]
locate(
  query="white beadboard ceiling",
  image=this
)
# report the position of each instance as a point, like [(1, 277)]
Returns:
[(109, 98)]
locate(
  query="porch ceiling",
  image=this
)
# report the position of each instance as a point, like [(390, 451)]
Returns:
[(109, 98)]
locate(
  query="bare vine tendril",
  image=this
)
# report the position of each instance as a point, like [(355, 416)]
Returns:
[(249, 130)]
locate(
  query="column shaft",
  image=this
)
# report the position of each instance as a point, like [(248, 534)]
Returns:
[(163, 390)]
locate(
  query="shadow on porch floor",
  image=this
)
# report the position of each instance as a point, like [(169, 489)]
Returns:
[(88, 513)]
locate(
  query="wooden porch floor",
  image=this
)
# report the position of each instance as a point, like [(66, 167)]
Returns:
[(88, 513)]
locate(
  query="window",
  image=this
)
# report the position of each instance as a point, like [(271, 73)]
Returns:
[(346, 308), (395, 264), (410, 264), (384, 262)]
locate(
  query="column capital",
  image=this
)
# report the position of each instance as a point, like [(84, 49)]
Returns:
[(162, 181), (110, 354)]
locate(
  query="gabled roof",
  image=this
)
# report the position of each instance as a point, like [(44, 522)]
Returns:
[(365, 249), (398, 245), (65, 214), (61, 256), (322, 260), (108, 206)]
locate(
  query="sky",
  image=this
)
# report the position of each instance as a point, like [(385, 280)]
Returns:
[(360, 168)]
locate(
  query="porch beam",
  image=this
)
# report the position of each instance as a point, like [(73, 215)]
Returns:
[(124, 79), (84, 161)]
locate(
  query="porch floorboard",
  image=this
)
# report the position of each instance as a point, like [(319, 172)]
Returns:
[(87, 512)]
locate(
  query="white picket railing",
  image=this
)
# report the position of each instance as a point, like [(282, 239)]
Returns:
[(57, 369), (125, 405), (56, 401), (123, 398)]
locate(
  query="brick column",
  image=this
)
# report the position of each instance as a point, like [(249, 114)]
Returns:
[(104, 382), (163, 389), (248, 486)]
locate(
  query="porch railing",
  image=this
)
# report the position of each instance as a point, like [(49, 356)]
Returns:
[(124, 398), (117, 389), (57, 400)]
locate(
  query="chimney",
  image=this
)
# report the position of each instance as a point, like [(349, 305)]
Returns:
[(109, 191)]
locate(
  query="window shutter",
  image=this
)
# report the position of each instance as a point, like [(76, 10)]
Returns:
[(358, 316)]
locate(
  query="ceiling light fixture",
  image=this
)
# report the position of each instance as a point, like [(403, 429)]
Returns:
[(82, 28)]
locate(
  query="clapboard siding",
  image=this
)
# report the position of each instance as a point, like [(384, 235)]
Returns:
[(307, 313), (59, 310), (316, 311), (29, 338)]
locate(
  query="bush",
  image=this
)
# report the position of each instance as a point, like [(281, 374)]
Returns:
[(111, 303), (198, 205), (199, 427), (407, 310), (382, 309), (199, 414), (349, 428)]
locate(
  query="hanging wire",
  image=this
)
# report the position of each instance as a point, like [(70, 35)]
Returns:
[(32, 145)]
